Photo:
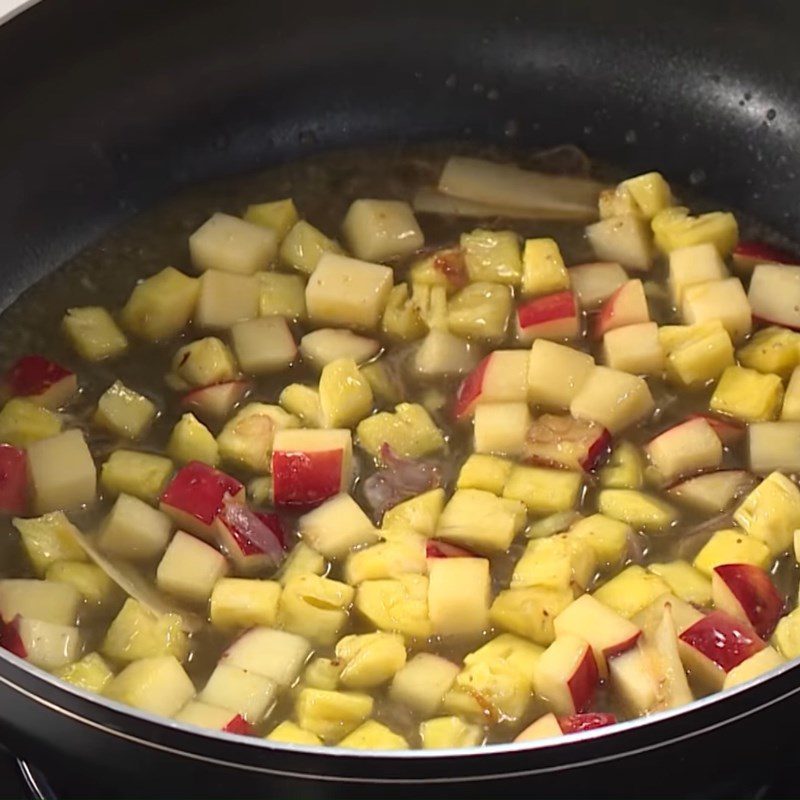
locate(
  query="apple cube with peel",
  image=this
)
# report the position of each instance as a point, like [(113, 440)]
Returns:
[(189, 568), (263, 345), (749, 254), (772, 349), (277, 655), (594, 283), (696, 354), (158, 685), (314, 607), (347, 292), (134, 530), (190, 440), (93, 333), (124, 411), (230, 244), (543, 270), (322, 346), (556, 373), (14, 488), (142, 475), (551, 316), (240, 691), (566, 442), (422, 683), (501, 377), (281, 294), (137, 632), (624, 239), (492, 256), (716, 644), (309, 466), (337, 526), (62, 473), (774, 295), (747, 593), (724, 300), (627, 306), (689, 266), (774, 446), (763, 661), (215, 402), (566, 675), (546, 727), (279, 215), (441, 354), (635, 348), (381, 230), (687, 447), (501, 428), (616, 400), (196, 496), (331, 715), (631, 591), (215, 718), (252, 540), (41, 381), (771, 512), (226, 298), (344, 393), (712, 492), (607, 632), (48, 601), (44, 644), (161, 306), (449, 732), (543, 490), (731, 546), (244, 603), (530, 611), (454, 609)]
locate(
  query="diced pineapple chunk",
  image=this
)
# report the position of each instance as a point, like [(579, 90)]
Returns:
[(402, 320), (530, 611), (189, 568), (337, 526), (480, 311), (275, 654), (492, 256), (246, 440), (244, 692), (381, 230), (303, 402), (543, 490), (370, 659), (449, 732), (772, 349), (304, 246), (315, 607), (399, 605), (226, 298), (138, 633), (557, 562), (204, 362), (158, 685), (488, 473), (230, 244), (423, 682), (631, 591), (124, 411), (747, 395), (606, 536), (289, 732), (790, 410), (91, 673), (787, 635), (279, 215), (244, 602), (492, 688), (372, 735), (459, 593), (615, 399), (93, 333), (420, 513), (161, 306), (93, 584), (345, 395), (301, 560), (431, 304), (143, 475), (264, 344), (543, 270), (49, 539), (731, 546), (650, 193), (501, 428), (23, 422), (409, 431), (684, 581), (518, 652), (771, 512), (481, 521), (331, 715), (625, 468), (385, 385), (135, 530), (322, 673), (190, 440), (386, 560), (673, 227), (284, 295), (696, 354)]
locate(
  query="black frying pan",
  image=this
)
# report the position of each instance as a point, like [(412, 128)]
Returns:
[(110, 104)]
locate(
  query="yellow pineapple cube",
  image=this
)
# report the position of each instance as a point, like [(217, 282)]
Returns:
[(631, 591), (315, 607), (386, 560), (771, 512), (372, 735), (289, 732), (772, 350), (301, 560), (492, 256), (617, 201), (143, 475), (93, 333), (420, 513), (303, 402), (91, 581), (91, 673), (246, 439), (650, 193), (518, 652), (303, 247), (493, 688), (409, 431), (158, 685), (124, 411), (481, 521), (402, 321), (398, 605), (543, 270), (481, 311), (23, 422), (606, 536), (137, 633), (625, 468), (557, 562), (243, 603), (370, 659), (787, 635), (696, 354), (282, 295), (161, 306), (322, 673), (488, 473), (345, 395), (459, 593), (731, 546), (684, 581), (204, 362), (747, 395), (190, 440), (48, 540), (279, 215), (385, 385), (674, 227), (543, 490), (449, 732), (423, 682), (331, 715), (431, 305), (790, 411), (637, 509)]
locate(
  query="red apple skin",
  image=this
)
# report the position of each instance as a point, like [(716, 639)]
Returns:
[(437, 549), (452, 265), (10, 639), (13, 480), (304, 480), (38, 378), (722, 639), (215, 401), (470, 390), (583, 682), (576, 723), (584, 445), (729, 432), (748, 254), (200, 491), (239, 725), (752, 596), (598, 452), (546, 309), (253, 540), (622, 647)]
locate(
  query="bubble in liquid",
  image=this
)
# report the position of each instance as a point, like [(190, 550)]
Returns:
[(511, 129), (478, 88), (631, 137), (771, 114), (307, 137), (451, 81), (492, 94), (697, 176)]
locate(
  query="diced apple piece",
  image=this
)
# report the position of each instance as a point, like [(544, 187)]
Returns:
[(615, 399), (712, 492), (566, 675), (692, 265), (92, 583), (409, 432), (190, 440), (563, 441), (284, 295), (337, 526), (124, 411), (215, 718), (226, 298), (215, 402), (747, 593), (774, 446), (453, 609), (774, 295), (205, 362), (279, 215), (304, 246), (686, 581), (325, 345), (551, 316), (449, 732), (639, 510), (315, 607), (492, 256), (557, 562), (689, 446), (556, 373), (230, 244), (764, 661), (624, 239), (501, 428), (423, 682), (240, 691), (500, 377), (22, 422), (370, 659), (399, 605), (91, 673), (142, 475), (252, 540), (673, 227), (543, 270), (546, 727), (264, 344), (480, 521), (724, 300), (772, 349), (731, 546), (277, 655), (93, 333), (634, 681), (41, 381), (49, 601), (542, 490), (381, 230), (161, 306), (45, 644), (14, 488), (196, 497), (190, 568), (747, 255), (696, 354), (331, 715), (627, 306), (48, 539), (631, 591), (138, 633), (441, 354), (771, 512), (62, 473), (246, 440), (594, 283), (635, 349)]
